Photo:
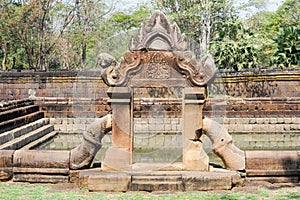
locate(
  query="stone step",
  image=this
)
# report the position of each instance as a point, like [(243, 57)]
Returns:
[(156, 182), (23, 140), (36, 166), (122, 181), (40, 141), (156, 186), (4, 106), (17, 112), (20, 121), (156, 178), (17, 132)]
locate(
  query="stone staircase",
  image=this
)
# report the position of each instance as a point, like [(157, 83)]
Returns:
[(22, 125), (157, 182)]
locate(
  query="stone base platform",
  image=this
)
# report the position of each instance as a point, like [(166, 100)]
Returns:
[(97, 180)]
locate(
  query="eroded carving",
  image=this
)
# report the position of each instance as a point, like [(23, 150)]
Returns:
[(158, 67), (108, 66), (158, 34), (82, 156), (198, 73), (232, 156)]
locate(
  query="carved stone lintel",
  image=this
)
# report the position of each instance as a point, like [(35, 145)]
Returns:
[(158, 65)]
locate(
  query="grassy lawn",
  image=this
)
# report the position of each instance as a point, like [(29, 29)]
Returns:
[(35, 191)]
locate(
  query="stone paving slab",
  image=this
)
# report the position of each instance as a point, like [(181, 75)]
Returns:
[(123, 181)]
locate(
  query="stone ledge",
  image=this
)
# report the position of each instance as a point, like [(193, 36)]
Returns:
[(190, 180)]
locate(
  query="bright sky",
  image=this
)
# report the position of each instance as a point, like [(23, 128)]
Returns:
[(128, 5), (271, 5)]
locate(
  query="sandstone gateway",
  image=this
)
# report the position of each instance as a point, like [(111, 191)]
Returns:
[(156, 72)]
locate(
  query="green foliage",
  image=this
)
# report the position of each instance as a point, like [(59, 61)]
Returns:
[(200, 20), (289, 13), (119, 28), (235, 55), (288, 47), (69, 34), (276, 42), (287, 39), (11, 34)]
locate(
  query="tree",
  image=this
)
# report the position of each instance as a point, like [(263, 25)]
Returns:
[(287, 53), (119, 28), (200, 20), (287, 42), (29, 24), (278, 35), (235, 49), (289, 13), (11, 32), (87, 23), (264, 26)]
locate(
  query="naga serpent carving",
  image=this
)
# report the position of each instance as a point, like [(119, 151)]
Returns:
[(83, 155), (222, 145)]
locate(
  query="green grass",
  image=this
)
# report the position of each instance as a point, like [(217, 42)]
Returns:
[(35, 191)]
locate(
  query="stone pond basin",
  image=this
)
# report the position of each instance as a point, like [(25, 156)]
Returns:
[(36, 149)]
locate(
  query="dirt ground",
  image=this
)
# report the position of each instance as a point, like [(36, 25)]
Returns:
[(253, 187)]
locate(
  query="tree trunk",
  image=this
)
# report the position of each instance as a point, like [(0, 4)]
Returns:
[(83, 54), (4, 61)]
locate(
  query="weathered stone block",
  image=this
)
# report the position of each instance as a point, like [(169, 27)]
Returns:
[(6, 163), (167, 120), (272, 160), (272, 120), (168, 127), (40, 178), (144, 121), (159, 127), (174, 127), (275, 179), (117, 159), (195, 158), (207, 181), (109, 182), (41, 159), (260, 120), (138, 127), (159, 120)]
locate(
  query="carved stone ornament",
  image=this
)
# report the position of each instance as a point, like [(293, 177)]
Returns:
[(158, 34), (158, 48), (157, 67)]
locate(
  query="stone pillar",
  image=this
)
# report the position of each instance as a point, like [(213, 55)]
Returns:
[(193, 155), (119, 155)]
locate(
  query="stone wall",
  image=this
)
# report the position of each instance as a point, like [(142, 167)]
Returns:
[(280, 133), (260, 111), (260, 107), (161, 141), (83, 94), (248, 134), (251, 84), (60, 94)]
